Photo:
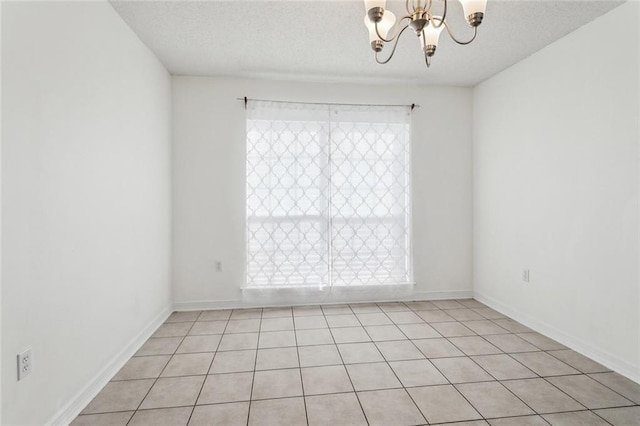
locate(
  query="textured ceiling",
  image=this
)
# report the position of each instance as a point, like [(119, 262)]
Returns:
[(327, 40)]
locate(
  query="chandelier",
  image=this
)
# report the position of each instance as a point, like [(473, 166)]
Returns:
[(383, 27)]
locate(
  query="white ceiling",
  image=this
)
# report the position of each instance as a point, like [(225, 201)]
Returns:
[(327, 40)]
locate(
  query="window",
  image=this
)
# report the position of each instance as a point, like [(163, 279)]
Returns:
[(328, 195)]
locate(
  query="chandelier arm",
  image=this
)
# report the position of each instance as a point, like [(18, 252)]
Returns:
[(395, 27), (475, 33), (394, 47), (442, 19), (406, 6)]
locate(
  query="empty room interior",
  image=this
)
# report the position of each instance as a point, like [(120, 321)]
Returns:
[(313, 213)]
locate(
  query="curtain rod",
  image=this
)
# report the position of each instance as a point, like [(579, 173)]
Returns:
[(245, 99)]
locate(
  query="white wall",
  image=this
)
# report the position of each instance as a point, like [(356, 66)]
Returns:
[(0, 225), (556, 190), (638, 213), (209, 184), (85, 198)]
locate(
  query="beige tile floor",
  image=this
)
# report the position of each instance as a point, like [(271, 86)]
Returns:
[(454, 362)]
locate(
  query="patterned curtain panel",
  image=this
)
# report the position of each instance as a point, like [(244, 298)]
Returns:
[(328, 195)]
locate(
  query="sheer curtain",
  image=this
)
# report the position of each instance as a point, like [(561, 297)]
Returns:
[(328, 195)]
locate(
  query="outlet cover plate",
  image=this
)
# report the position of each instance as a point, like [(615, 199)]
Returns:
[(25, 363)]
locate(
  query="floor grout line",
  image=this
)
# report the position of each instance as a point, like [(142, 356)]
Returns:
[(392, 370), (255, 364), (304, 400), (209, 369), (442, 374), (366, 419), (162, 371)]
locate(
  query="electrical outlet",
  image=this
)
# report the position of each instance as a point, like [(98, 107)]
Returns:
[(25, 364), (218, 266), (525, 275)]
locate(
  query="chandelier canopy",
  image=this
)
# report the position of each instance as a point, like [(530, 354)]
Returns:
[(383, 27)]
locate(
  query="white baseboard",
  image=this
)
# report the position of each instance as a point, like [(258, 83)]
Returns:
[(599, 355), (443, 295), (69, 412), (240, 303)]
